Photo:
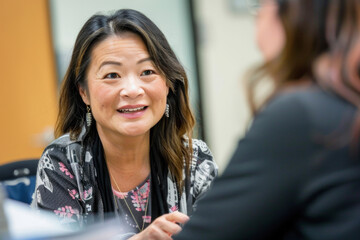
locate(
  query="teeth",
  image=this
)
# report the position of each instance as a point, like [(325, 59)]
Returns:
[(131, 109)]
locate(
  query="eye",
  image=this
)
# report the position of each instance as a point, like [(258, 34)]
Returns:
[(112, 75), (147, 72)]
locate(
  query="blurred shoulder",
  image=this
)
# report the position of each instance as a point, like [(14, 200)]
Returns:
[(320, 108), (310, 97)]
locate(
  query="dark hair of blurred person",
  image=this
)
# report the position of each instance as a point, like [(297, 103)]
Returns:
[(124, 132), (296, 172)]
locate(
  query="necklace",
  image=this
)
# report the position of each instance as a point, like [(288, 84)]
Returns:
[(127, 205)]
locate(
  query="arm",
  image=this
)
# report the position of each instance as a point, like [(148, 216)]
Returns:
[(256, 194), (56, 188)]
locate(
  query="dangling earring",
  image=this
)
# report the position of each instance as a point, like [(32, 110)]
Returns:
[(167, 109), (88, 116)]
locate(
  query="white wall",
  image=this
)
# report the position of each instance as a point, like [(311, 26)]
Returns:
[(227, 50)]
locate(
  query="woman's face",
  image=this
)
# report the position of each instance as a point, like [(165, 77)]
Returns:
[(270, 34), (125, 91)]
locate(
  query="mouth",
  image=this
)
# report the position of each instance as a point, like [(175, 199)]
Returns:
[(131, 110)]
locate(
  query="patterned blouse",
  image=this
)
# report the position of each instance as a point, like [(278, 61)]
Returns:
[(66, 185), (134, 207)]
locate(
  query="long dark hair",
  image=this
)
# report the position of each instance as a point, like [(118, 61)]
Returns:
[(316, 31), (171, 137)]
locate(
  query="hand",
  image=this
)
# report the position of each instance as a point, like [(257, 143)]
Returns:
[(163, 227)]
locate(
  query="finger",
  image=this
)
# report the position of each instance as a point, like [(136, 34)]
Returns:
[(168, 227), (177, 217), (154, 232)]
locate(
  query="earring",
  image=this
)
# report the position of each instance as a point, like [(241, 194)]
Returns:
[(167, 109), (88, 116)]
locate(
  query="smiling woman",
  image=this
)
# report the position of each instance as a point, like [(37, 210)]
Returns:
[(124, 133), (128, 93)]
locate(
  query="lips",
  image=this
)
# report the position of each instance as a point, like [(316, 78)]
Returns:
[(131, 109)]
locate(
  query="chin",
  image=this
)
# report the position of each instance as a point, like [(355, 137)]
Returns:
[(136, 132)]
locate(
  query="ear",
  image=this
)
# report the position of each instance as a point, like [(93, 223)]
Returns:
[(84, 95)]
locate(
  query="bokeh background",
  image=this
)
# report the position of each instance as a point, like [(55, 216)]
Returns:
[(214, 40)]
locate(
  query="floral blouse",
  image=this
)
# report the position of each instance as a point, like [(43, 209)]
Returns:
[(66, 183), (134, 207)]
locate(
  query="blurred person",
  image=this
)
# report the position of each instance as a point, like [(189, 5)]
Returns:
[(124, 132), (296, 172)]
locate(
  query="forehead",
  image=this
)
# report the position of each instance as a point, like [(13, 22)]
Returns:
[(123, 44)]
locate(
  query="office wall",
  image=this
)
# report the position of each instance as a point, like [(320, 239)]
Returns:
[(28, 79), (227, 49)]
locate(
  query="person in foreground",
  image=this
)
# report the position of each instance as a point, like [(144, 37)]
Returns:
[(124, 132), (296, 173)]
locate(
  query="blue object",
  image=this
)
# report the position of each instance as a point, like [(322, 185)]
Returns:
[(18, 179), (20, 189)]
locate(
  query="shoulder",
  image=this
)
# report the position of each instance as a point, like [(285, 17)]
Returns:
[(292, 108), (63, 141), (290, 100), (201, 153), (61, 150), (307, 107), (203, 170), (293, 120), (201, 149), (309, 98), (202, 161), (285, 113)]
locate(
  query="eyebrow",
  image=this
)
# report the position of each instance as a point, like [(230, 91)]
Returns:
[(119, 63), (144, 60), (109, 63)]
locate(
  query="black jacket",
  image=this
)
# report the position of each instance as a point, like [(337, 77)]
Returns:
[(295, 175)]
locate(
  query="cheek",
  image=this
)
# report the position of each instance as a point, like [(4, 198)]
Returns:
[(159, 92), (263, 36), (277, 41), (159, 98), (102, 96), (260, 36), (270, 36)]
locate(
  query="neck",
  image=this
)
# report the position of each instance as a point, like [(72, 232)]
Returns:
[(127, 158)]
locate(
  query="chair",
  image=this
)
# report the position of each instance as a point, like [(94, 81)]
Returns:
[(18, 179)]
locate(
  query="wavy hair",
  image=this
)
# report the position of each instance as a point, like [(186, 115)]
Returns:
[(322, 44), (171, 137)]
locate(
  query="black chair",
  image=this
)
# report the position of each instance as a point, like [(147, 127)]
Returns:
[(18, 179)]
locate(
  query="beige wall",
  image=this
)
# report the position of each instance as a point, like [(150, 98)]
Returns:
[(227, 50), (27, 83)]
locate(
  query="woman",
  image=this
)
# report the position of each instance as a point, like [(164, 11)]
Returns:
[(133, 154), (296, 173)]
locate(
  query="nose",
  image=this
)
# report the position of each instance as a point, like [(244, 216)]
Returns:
[(131, 87)]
